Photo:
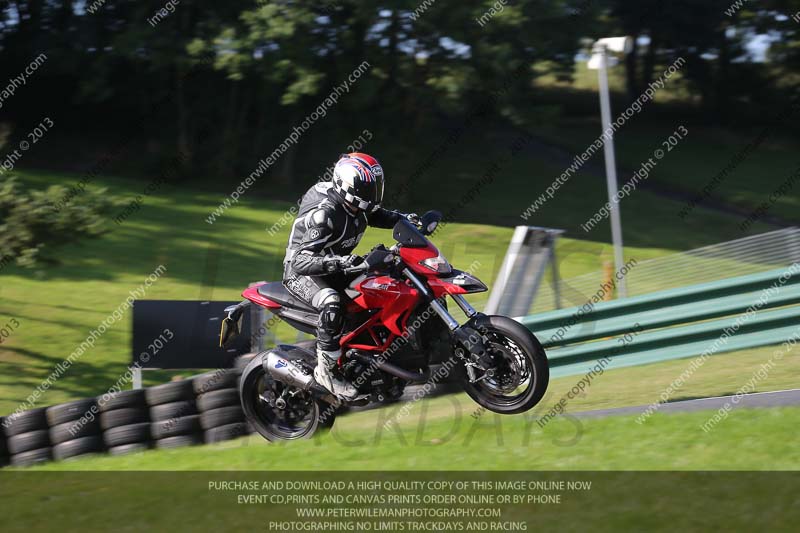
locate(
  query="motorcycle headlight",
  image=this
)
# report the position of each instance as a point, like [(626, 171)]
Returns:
[(438, 264)]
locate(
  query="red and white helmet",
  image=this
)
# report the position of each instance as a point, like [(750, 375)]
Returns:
[(358, 180)]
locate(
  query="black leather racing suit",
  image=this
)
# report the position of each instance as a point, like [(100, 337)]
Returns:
[(324, 226)]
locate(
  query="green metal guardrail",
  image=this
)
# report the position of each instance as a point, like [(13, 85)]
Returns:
[(672, 324)]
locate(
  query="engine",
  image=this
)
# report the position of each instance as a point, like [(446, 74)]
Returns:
[(381, 386)]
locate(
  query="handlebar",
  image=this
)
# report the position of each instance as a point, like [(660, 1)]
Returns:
[(358, 268)]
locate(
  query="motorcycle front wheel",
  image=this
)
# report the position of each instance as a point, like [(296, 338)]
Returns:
[(519, 372)]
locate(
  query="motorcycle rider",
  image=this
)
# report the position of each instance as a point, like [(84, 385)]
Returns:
[(331, 220)]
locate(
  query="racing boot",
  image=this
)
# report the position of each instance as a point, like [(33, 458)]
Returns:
[(323, 374)]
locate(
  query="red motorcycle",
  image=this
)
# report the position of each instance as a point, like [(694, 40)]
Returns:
[(397, 327)]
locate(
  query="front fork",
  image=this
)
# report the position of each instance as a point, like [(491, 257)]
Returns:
[(464, 335)]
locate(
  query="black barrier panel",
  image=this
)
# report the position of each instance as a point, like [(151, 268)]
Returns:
[(390, 501), (173, 334)]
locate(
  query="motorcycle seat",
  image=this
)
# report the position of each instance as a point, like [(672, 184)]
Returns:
[(276, 292)]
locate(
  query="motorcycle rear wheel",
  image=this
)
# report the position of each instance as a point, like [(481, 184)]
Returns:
[(300, 419), (521, 364)]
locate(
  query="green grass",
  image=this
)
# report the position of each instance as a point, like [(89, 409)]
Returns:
[(57, 307), (449, 433), (696, 160), (693, 163), (763, 439)]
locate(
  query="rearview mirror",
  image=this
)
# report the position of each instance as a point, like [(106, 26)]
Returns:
[(430, 221)]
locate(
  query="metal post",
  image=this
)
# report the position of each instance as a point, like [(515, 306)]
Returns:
[(611, 168), (137, 377), (556, 277)]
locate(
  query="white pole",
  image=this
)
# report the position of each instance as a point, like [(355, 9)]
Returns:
[(611, 168)]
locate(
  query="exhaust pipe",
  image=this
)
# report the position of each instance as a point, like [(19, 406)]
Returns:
[(394, 370), (287, 371), (283, 369)]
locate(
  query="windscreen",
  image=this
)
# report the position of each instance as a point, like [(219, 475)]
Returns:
[(407, 234)]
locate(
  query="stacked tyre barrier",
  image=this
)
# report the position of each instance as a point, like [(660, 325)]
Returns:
[(125, 420), (3, 445), (202, 409), (175, 421), (221, 415), (72, 432), (28, 438)]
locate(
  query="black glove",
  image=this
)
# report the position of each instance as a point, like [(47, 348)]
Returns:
[(338, 263), (413, 218)]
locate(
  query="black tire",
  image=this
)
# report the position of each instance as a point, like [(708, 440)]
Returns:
[(265, 419), (127, 399), (241, 362), (67, 412), (227, 378), (126, 449), (78, 447), (227, 432), (32, 457), (327, 414), (534, 355), (221, 417), (124, 417), (217, 399), (33, 420), (73, 430), (167, 411), (3, 447), (174, 391), (184, 425), (180, 441), (32, 440), (125, 435), (4, 460)]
